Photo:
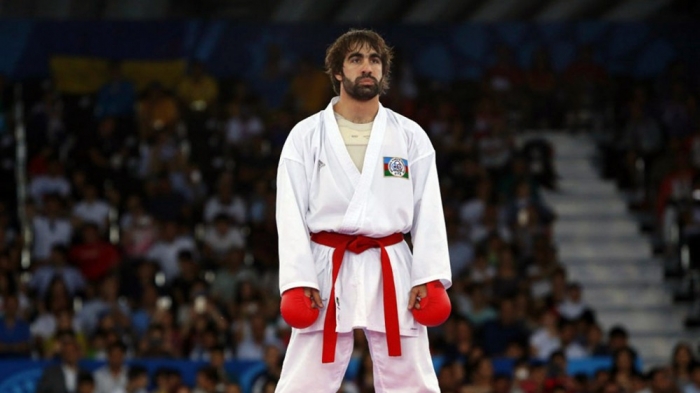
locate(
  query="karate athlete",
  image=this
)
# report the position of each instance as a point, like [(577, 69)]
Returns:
[(352, 180)]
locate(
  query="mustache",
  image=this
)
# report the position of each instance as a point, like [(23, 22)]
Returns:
[(360, 78)]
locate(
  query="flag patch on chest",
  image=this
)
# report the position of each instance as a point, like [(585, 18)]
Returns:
[(395, 167)]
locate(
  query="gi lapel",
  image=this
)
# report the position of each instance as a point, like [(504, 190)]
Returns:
[(353, 216), (337, 144)]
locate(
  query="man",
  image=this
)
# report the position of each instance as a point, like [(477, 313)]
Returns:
[(63, 377), (694, 385), (496, 334), (207, 380), (14, 330), (357, 177), (112, 377)]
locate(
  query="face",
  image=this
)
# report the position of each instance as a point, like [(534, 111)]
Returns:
[(115, 357), (70, 351), (362, 74), (683, 355)]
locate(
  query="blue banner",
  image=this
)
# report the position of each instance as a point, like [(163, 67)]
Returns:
[(22, 376), (444, 53)]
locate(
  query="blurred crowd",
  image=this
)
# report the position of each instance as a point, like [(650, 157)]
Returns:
[(152, 224)]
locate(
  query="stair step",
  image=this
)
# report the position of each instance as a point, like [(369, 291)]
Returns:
[(625, 239), (657, 349), (640, 263), (615, 274), (586, 188), (584, 227), (567, 207), (605, 250), (601, 245), (611, 299), (656, 322)]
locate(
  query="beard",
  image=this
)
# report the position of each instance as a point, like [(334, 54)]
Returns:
[(362, 92)]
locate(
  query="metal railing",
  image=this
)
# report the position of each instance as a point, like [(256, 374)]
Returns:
[(21, 177)]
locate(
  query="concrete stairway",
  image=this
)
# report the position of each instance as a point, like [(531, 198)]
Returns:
[(601, 246)]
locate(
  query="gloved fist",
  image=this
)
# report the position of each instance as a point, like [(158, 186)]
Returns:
[(296, 308), (435, 307)]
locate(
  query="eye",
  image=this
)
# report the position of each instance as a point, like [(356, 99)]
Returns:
[(375, 60)]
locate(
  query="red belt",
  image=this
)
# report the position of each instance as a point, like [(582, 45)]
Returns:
[(358, 244)]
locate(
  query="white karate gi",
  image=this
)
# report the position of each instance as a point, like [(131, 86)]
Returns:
[(320, 189)]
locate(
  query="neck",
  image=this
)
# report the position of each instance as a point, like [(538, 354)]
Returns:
[(359, 112)]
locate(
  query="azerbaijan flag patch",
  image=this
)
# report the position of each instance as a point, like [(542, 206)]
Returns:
[(395, 167)]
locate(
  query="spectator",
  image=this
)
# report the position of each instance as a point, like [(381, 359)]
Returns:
[(164, 203), (169, 245), (221, 237), (116, 97), (682, 359), (460, 249), (661, 381), (242, 126), (496, 334), (106, 303), (55, 302), (624, 367), (162, 381), (14, 330), (594, 341), (273, 368), (618, 338), (86, 383), (480, 376), (218, 355), (94, 257), (573, 307), (225, 202), (137, 380), (481, 311), (693, 386), (91, 210), (198, 91), (253, 337), (103, 153), (57, 267), (155, 344), (157, 111), (50, 228), (138, 229), (112, 377), (545, 340), (148, 305), (182, 286), (309, 88), (447, 378), (226, 284), (567, 334), (207, 380), (53, 182), (63, 377)]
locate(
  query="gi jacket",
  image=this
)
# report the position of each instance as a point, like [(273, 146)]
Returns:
[(320, 189)]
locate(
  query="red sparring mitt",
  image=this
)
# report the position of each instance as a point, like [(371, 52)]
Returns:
[(296, 308), (435, 307)]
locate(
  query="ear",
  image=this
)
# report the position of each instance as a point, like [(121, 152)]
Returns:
[(338, 77)]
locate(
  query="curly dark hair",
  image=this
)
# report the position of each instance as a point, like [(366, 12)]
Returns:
[(354, 39)]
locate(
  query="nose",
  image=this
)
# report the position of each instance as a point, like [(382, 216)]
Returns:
[(366, 67)]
